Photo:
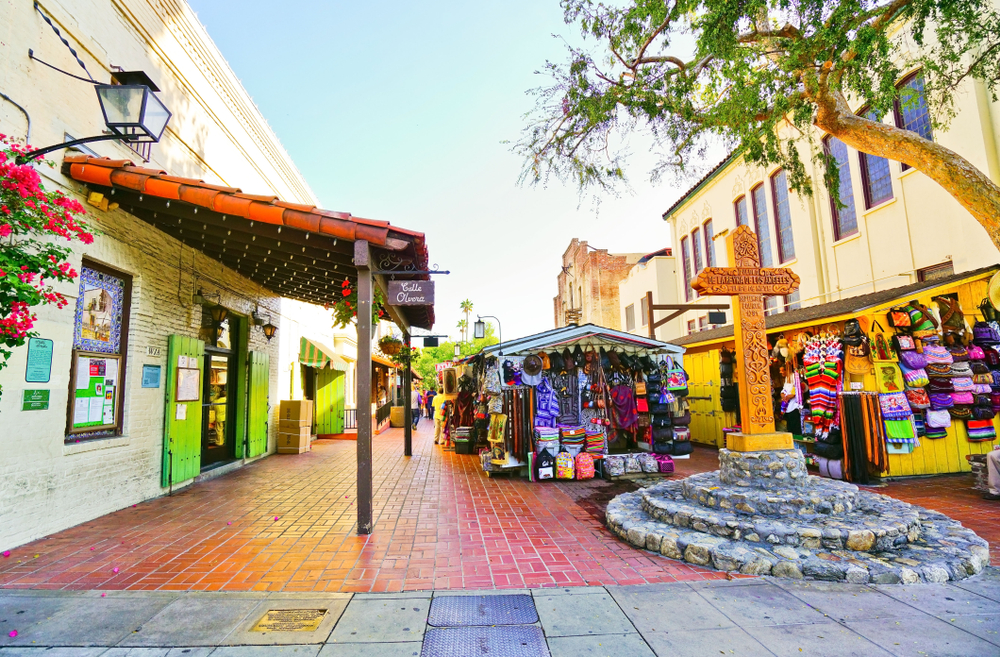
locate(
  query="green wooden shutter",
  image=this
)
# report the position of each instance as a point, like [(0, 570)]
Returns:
[(259, 386), (329, 402), (182, 438)]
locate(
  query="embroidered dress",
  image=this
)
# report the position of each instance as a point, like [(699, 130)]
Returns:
[(547, 405)]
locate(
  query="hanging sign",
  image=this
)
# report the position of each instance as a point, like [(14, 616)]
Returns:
[(410, 293), (35, 400), (39, 367)]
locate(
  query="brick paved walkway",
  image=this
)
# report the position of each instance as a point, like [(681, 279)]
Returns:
[(287, 523)]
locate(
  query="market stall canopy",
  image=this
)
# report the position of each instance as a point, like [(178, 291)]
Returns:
[(297, 251), (381, 360), (587, 336), (842, 308), (320, 356)]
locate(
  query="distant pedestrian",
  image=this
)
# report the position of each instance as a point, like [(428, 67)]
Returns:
[(416, 398), (429, 403), (438, 405)]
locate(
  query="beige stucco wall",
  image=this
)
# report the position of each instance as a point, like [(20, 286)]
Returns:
[(307, 320), (216, 134), (659, 276), (920, 227)]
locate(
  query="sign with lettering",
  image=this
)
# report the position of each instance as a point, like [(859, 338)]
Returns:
[(39, 367), (35, 400), (410, 293), (150, 376), (725, 280), (290, 620)]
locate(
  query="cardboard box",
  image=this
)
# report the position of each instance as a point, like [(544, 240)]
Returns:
[(293, 426), (298, 409), (294, 442)]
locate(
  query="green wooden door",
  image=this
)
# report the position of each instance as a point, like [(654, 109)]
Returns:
[(329, 402), (182, 419), (257, 412)]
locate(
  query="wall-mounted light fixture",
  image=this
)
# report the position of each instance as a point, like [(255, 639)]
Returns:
[(269, 330), (132, 112), (219, 313)]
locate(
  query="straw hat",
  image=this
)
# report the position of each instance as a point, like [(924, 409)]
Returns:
[(994, 291)]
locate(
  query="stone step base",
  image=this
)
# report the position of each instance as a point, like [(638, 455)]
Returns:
[(944, 551), (876, 523)]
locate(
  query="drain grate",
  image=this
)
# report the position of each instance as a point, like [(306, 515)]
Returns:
[(465, 610), (522, 641)]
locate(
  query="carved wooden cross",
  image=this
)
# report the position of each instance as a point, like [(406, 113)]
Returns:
[(748, 283)]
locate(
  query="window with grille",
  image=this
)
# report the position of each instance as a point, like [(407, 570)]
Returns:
[(703, 323), (690, 326), (686, 262), (875, 176), (910, 108), (771, 306), (709, 244), (936, 272), (761, 225), (782, 216), (630, 317), (792, 301), (845, 219), (740, 207)]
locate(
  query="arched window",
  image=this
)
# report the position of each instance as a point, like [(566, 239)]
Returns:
[(845, 219), (782, 216), (875, 176)]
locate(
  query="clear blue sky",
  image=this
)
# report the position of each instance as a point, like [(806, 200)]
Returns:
[(398, 110)]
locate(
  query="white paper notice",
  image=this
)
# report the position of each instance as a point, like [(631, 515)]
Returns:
[(109, 415), (82, 374), (182, 361), (111, 370), (81, 411), (182, 412), (96, 409)]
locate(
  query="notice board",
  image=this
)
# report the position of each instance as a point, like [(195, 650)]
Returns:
[(95, 383)]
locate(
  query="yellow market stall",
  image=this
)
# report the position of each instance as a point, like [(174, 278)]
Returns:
[(711, 375)]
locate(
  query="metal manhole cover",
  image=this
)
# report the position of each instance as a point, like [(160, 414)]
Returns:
[(290, 620), (522, 641), (464, 610)]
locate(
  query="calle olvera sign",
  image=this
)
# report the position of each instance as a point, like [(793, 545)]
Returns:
[(410, 293)]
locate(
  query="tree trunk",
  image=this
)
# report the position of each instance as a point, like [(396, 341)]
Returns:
[(967, 184)]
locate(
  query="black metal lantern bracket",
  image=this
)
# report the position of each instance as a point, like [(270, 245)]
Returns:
[(131, 110)]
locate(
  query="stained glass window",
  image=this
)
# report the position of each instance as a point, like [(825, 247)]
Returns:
[(875, 176), (686, 262), (761, 225), (741, 211), (845, 219), (911, 108), (782, 216), (709, 244)]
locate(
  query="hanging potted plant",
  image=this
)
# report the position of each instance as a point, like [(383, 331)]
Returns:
[(345, 308), (390, 345)]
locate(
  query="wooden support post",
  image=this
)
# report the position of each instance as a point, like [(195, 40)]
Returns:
[(364, 389), (649, 315), (407, 404)]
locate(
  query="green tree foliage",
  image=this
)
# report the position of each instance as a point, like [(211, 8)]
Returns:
[(698, 72), (431, 356)]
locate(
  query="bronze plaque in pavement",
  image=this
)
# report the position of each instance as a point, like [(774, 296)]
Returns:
[(290, 620)]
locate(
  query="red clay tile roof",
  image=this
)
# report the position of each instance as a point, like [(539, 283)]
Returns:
[(233, 202)]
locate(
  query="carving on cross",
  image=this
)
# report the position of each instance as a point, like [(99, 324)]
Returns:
[(748, 283)]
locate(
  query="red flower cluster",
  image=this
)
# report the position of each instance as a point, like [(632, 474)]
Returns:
[(30, 259)]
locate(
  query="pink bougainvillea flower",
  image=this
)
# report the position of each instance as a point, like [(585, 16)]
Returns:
[(230, 522), (91, 548), (275, 517), (6, 554), (13, 634), (104, 595), (115, 570)]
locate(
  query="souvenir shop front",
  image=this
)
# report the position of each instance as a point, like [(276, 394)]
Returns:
[(574, 401), (895, 383)]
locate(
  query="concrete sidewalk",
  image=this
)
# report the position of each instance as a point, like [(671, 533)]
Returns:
[(738, 617)]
